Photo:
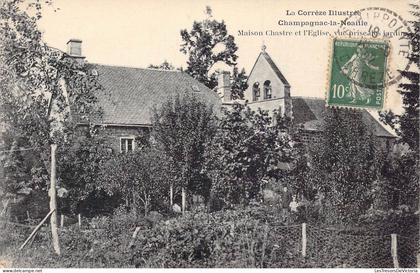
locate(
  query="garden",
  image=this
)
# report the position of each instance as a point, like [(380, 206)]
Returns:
[(225, 175), (203, 188)]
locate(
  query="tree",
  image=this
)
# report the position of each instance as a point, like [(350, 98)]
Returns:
[(405, 166), (35, 81), (79, 171), (163, 66), (16, 173), (409, 120), (206, 44), (407, 124), (182, 128), (345, 164), (139, 178), (239, 83), (400, 185), (247, 149)]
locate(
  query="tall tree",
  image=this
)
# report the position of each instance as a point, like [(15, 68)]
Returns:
[(206, 44), (403, 173), (345, 164), (32, 75), (409, 120), (407, 124), (246, 150), (182, 127)]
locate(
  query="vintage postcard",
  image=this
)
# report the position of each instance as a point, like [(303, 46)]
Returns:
[(209, 134)]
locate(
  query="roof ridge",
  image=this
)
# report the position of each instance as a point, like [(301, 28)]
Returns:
[(308, 97), (386, 127), (142, 68)]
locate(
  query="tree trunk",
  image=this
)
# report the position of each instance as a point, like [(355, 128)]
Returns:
[(146, 204), (183, 196), (134, 203), (53, 201), (171, 195)]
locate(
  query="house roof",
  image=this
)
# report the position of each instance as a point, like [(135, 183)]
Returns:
[(130, 93), (273, 66), (309, 112)]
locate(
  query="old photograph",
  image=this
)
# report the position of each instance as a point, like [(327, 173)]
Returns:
[(209, 134)]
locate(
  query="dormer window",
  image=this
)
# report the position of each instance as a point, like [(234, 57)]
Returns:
[(255, 91), (267, 90)]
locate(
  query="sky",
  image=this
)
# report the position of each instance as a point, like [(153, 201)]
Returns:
[(140, 33)]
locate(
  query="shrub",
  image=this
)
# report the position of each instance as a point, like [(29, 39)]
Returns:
[(247, 149), (401, 220), (182, 128), (138, 178), (231, 238), (249, 237)]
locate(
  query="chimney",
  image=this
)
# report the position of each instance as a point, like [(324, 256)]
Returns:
[(74, 49), (223, 86)]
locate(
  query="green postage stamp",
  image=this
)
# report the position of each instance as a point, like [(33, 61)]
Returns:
[(357, 75)]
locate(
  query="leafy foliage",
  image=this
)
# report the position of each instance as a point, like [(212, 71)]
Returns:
[(248, 148), (16, 174), (139, 178), (182, 127), (206, 44), (345, 164), (239, 83), (400, 185), (79, 172), (407, 124), (409, 120), (403, 169), (250, 237), (44, 93)]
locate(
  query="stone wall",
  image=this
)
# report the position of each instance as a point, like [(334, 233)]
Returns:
[(113, 135)]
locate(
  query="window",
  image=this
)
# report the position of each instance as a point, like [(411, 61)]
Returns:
[(256, 91), (267, 90), (126, 144)]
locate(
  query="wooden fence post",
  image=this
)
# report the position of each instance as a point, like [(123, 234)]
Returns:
[(79, 217), (394, 251), (171, 195), (183, 200), (304, 239), (62, 221), (183, 197)]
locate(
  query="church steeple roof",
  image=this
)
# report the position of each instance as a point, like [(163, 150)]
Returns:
[(264, 54)]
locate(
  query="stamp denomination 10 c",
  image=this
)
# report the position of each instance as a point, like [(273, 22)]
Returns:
[(357, 75)]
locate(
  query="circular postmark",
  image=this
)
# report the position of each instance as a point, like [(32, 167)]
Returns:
[(377, 24)]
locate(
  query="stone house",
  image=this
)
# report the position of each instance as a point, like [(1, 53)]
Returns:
[(132, 92)]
